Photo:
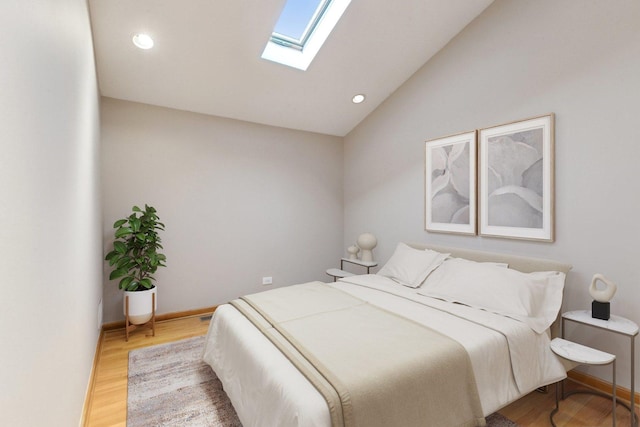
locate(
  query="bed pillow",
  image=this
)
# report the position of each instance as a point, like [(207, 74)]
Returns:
[(409, 266), (533, 298)]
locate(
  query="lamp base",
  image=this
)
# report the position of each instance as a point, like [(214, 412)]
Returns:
[(600, 310)]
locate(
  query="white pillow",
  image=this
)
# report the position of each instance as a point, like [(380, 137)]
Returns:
[(533, 298), (410, 266)]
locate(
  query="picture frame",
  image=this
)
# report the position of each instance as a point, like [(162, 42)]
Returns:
[(451, 184), (516, 179)]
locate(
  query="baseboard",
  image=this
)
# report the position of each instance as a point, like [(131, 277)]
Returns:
[(89, 396), (603, 386), (161, 317)]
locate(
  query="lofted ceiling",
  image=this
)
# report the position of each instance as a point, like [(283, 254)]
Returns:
[(207, 60)]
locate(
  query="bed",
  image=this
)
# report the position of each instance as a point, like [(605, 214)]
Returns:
[(493, 315)]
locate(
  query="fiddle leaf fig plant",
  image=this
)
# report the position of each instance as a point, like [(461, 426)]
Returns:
[(135, 255)]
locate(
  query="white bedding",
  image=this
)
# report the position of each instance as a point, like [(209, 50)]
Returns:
[(508, 358)]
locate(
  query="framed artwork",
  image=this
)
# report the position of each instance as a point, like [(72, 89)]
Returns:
[(450, 184), (516, 180)]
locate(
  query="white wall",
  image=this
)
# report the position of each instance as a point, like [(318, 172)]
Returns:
[(239, 200), (578, 59), (50, 233)]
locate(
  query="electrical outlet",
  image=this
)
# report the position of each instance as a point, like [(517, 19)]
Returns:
[(267, 281)]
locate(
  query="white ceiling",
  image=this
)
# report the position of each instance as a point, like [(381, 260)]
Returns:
[(206, 57)]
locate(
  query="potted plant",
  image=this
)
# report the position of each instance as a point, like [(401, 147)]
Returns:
[(135, 258)]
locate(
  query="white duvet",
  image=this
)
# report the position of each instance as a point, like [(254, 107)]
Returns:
[(508, 358)]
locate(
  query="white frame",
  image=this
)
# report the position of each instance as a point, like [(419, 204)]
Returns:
[(431, 146), (543, 203)]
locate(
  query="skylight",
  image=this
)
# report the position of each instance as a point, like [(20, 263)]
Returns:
[(297, 21), (301, 30)]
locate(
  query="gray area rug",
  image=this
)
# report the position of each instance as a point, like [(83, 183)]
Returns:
[(497, 420), (170, 385)]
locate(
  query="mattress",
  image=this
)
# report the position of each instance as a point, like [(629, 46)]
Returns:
[(509, 360)]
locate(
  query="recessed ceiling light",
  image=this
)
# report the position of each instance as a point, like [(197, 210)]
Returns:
[(143, 41), (358, 99)]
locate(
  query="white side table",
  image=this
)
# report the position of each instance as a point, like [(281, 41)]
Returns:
[(619, 325), (585, 356), (340, 273), (336, 273)]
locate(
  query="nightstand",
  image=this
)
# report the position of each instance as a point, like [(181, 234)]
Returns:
[(340, 273), (616, 324), (585, 356)]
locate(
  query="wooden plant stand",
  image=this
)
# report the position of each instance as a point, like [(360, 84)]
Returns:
[(130, 327)]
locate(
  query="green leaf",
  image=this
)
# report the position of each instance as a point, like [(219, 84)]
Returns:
[(146, 283), (123, 262), (110, 255), (135, 225), (133, 286), (124, 283), (141, 237), (119, 223), (119, 247), (122, 231), (119, 272), (136, 209)]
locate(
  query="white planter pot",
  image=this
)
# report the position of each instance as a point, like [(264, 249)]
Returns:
[(140, 308)]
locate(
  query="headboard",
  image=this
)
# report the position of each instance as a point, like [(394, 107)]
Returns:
[(520, 263)]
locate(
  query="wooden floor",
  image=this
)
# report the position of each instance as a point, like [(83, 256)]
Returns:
[(107, 405), (584, 410)]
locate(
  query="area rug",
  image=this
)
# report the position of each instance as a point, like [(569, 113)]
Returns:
[(170, 385), (497, 420)]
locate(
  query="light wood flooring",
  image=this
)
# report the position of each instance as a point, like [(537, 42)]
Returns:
[(107, 404)]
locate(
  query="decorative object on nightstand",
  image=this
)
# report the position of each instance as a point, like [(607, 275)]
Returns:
[(617, 324), (366, 242), (353, 251), (600, 307)]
